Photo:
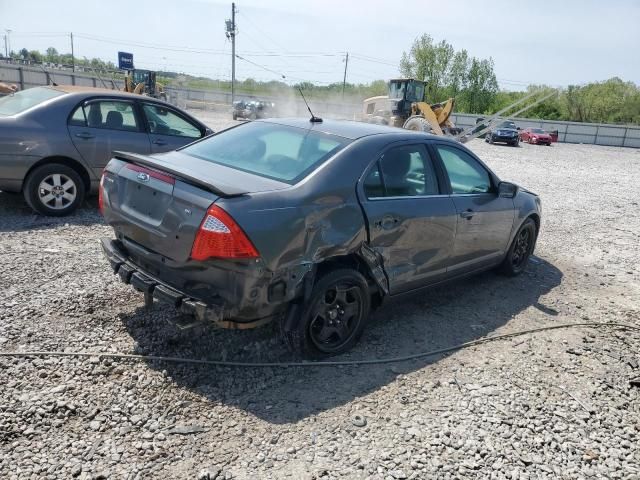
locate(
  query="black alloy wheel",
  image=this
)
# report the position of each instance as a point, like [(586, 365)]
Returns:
[(334, 317), (521, 249)]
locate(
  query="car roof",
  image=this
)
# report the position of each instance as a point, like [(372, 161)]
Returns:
[(344, 128), (80, 89)]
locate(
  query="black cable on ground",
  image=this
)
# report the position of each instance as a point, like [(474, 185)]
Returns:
[(221, 363)]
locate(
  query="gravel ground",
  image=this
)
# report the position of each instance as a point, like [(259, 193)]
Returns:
[(557, 404)]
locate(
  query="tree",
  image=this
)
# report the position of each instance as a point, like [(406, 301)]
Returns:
[(482, 86), (429, 62), (24, 53), (450, 73), (35, 56), (377, 87), (51, 55)]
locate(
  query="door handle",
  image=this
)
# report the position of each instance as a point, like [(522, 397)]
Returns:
[(85, 135), (468, 214), (387, 222), (159, 142)]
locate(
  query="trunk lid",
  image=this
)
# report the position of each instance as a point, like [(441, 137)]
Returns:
[(157, 203)]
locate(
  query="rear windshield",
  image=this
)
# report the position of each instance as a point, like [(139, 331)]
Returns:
[(537, 130), (21, 101), (282, 153)]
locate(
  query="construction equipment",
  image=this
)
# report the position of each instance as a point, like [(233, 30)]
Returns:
[(143, 82), (405, 107)]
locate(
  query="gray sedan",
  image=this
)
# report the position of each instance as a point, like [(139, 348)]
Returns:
[(55, 141), (309, 224)]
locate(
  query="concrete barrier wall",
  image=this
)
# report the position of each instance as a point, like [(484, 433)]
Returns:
[(572, 132), (33, 76), (28, 76)]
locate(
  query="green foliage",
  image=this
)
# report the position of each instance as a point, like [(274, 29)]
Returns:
[(611, 101), (448, 73)]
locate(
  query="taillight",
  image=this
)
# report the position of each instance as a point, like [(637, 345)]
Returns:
[(219, 236), (101, 195)]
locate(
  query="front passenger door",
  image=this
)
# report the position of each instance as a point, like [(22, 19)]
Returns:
[(168, 130), (411, 224), (484, 220)]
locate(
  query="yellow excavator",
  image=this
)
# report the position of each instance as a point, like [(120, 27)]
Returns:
[(143, 82), (405, 107)]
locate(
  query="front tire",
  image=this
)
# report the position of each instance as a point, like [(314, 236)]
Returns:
[(418, 124), (520, 250), (54, 189), (334, 318)]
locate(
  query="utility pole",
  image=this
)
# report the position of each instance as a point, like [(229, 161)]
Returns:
[(7, 40), (6, 48), (73, 58), (231, 34), (344, 80)]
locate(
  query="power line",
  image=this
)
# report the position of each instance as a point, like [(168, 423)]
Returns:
[(261, 66)]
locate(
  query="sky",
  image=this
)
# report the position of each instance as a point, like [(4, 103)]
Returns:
[(541, 42)]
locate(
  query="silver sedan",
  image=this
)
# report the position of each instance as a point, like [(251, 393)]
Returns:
[(55, 141)]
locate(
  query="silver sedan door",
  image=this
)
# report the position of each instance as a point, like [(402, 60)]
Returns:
[(100, 126)]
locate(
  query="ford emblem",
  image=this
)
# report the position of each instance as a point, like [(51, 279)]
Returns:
[(143, 177)]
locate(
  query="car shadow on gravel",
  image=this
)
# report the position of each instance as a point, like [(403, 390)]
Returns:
[(17, 216), (431, 320)]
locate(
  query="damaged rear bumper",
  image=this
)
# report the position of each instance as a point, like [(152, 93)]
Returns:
[(154, 289)]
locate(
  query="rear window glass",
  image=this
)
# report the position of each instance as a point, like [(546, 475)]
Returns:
[(25, 99), (283, 153)]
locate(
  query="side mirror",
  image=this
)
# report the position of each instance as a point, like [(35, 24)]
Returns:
[(507, 189), (518, 128)]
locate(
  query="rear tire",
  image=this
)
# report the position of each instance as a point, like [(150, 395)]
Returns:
[(54, 189), (334, 318), (418, 124), (520, 250)]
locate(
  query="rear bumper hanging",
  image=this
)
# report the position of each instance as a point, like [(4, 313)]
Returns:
[(154, 289)]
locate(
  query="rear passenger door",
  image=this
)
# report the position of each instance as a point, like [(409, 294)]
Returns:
[(168, 129), (98, 127), (484, 219), (411, 223)]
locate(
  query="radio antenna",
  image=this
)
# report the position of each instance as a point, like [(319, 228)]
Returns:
[(313, 118)]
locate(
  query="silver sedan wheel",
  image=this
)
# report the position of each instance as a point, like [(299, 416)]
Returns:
[(57, 191)]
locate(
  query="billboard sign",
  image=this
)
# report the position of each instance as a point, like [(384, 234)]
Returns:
[(125, 61)]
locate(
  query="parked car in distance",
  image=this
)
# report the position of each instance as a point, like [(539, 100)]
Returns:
[(252, 109), (505, 132), (535, 135), (55, 141), (309, 224)]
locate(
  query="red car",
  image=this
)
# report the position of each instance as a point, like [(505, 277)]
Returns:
[(535, 135)]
